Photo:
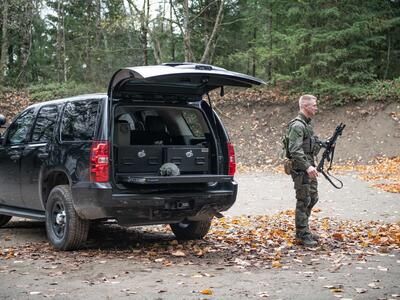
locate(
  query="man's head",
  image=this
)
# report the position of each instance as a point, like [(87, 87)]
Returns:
[(308, 105)]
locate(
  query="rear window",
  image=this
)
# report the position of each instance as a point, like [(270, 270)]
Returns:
[(164, 125), (79, 120), (45, 124), (193, 122), (20, 128)]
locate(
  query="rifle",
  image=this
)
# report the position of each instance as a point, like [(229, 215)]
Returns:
[(328, 156)]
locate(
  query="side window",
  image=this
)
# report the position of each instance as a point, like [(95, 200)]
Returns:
[(19, 129), (45, 124), (193, 122), (79, 120)]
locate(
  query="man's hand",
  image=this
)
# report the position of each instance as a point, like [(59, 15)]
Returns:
[(312, 172)]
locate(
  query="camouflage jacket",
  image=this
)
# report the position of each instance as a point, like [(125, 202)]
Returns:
[(303, 144)]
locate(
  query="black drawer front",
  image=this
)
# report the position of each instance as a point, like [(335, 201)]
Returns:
[(189, 159), (140, 159), (149, 159)]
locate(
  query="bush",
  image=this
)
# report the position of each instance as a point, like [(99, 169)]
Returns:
[(336, 94), (44, 92), (383, 90)]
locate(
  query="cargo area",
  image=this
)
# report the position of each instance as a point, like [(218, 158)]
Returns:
[(163, 144)]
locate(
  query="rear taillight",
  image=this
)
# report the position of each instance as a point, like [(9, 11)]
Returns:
[(231, 159), (99, 161)]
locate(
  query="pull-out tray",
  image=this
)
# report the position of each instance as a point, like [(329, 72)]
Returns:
[(148, 179)]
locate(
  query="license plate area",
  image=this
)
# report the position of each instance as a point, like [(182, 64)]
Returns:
[(179, 205)]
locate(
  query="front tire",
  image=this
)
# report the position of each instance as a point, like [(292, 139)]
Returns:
[(65, 229), (191, 230), (4, 220)]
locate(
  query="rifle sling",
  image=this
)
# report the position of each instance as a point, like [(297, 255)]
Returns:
[(327, 177)]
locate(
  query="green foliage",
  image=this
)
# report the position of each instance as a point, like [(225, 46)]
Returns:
[(338, 49), (44, 92), (339, 94), (382, 90)]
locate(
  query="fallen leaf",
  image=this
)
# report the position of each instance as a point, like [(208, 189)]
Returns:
[(338, 236), (35, 293), (206, 292), (178, 253), (263, 295), (373, 285), (361, 290), (276, 264), (382, 269)]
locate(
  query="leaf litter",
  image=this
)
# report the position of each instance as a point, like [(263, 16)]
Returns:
[(383, 172), (265, 241)]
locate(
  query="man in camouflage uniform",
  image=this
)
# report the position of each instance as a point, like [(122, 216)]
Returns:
[(303, 146)]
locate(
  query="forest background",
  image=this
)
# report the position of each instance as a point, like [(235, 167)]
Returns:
[(340, 50)]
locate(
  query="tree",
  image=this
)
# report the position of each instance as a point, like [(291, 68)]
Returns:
[(4, 41)]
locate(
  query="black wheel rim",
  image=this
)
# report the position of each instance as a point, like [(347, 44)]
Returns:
[(58, 219)]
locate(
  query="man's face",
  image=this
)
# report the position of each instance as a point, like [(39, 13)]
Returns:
[(311, 108)]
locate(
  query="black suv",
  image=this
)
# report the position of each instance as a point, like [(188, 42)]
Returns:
[(150, 151)]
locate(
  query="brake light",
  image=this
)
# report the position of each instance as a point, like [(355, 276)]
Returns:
[(231, 159), (99, 161)]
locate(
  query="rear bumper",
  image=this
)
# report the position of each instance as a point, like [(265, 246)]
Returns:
[(97, 201)]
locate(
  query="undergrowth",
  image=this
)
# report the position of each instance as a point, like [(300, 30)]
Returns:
[(44, 92)]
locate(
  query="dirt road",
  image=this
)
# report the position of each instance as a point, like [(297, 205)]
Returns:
[(270, 193), (30, 269)]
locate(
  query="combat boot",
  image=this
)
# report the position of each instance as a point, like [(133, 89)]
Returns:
[(307, 241), (315, 237)]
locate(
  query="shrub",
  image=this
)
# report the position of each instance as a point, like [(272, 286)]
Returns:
[(44, 92)]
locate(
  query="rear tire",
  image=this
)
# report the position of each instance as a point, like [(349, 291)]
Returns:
[(191, 230), (65, 229), (4, 220)]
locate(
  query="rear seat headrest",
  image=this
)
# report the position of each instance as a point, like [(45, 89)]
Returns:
[(155, 124)]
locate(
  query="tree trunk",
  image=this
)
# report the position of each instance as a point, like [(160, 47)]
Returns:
[(387, 56), (269, 65), (26, 42), (89, 74), (171, 29), (64, 51), (254, 58), (4, 42), (98, 34), (187, 32), (157, 52), (218, 20), (144, 29), (60, 47)]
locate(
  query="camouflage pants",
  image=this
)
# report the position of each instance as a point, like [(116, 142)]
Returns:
[(306, 196)]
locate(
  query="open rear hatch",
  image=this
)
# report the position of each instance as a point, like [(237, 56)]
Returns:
[(138, 160), (175, 79)]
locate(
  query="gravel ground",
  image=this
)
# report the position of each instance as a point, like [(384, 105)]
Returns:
[(310, 276)]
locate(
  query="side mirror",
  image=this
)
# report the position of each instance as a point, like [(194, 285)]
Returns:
[(2, 120)]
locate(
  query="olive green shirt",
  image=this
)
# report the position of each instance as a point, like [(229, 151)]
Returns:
[(302, 142)]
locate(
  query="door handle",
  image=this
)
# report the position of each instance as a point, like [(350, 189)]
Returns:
[(15, 156), (43, 155)]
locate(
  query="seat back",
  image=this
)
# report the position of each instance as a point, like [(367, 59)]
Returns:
[(156, 131), (122, 133)]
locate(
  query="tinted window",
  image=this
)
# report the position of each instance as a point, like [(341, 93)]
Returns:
[(193, 122), (45, 124), (79, 121), (20, 127)]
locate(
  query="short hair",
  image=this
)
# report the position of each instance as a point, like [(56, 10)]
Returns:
[(306, 98)]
